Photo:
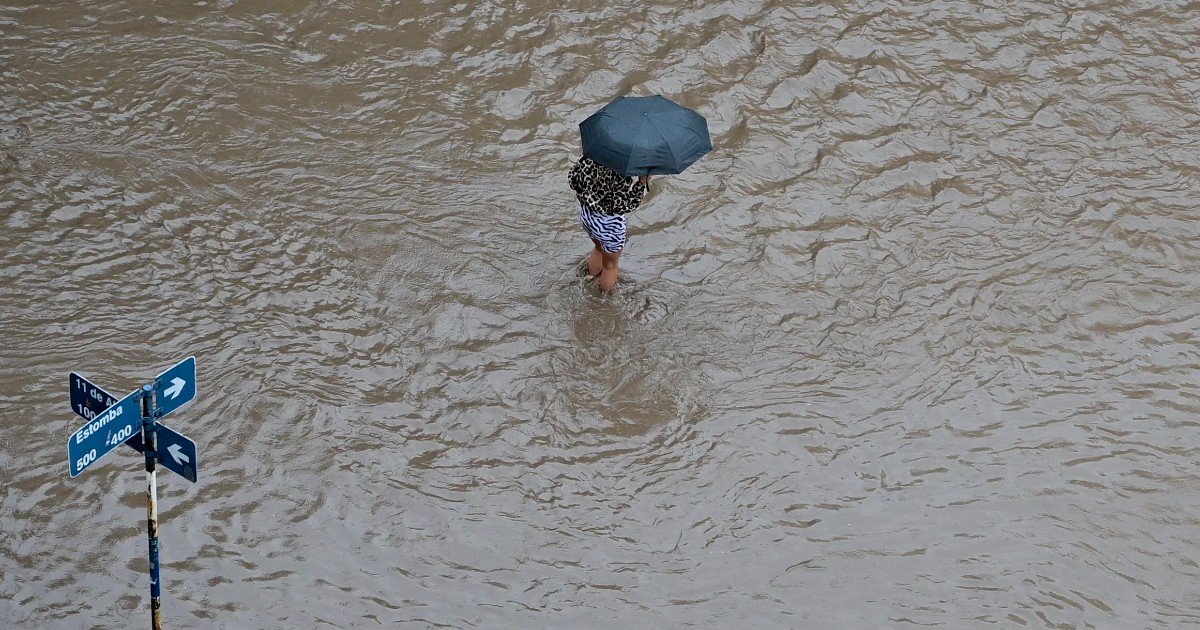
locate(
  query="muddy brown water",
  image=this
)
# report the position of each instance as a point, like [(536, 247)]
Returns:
[(914, 346)]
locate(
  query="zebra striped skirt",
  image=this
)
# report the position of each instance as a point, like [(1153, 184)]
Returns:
[(608, 229)]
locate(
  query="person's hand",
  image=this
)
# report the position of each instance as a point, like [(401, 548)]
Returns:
[(645, 179)]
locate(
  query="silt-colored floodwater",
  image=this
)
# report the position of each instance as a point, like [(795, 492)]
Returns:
[(913, 347)]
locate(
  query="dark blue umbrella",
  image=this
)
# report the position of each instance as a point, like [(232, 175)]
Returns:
[(645, 135)]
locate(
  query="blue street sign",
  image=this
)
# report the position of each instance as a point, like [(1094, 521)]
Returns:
[(106, 431), (89, 399), (176, 452), (176, 387)]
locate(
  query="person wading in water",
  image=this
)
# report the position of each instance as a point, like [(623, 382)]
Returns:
[(605, 197)]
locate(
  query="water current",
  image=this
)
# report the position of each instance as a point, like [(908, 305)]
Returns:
[(914, 346)]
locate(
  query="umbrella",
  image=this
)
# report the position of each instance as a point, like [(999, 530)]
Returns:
[(645, 135)]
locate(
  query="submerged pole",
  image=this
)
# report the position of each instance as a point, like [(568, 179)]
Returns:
[(150, 442)]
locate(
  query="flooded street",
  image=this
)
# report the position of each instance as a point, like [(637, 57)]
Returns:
[(913, 346)]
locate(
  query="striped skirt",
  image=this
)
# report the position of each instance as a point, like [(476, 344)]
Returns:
[(607, 229)]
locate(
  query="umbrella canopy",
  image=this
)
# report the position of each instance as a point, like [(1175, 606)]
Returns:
[(645, 135)]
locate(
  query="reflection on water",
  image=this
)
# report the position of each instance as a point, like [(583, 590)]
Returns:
[(911, 346)]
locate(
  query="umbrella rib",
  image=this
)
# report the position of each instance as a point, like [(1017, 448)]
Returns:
[(666, 143)]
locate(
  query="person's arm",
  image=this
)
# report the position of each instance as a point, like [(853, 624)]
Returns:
[(644, 180), (630, 200)]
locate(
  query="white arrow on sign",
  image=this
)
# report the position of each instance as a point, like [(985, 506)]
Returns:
[(176, 388), (177, 454)]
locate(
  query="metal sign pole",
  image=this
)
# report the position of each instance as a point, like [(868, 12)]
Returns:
[(112, 422), (150, 444)]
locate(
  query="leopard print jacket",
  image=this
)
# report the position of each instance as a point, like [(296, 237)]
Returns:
[(604, 190)]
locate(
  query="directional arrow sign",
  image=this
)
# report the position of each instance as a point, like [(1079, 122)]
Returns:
[(104, 433), (176, 387), (88, 400), (175, 452)]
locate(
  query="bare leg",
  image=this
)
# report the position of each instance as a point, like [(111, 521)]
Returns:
[(608, 275), (595, 260)]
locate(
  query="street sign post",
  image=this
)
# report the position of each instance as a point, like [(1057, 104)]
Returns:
[(133, 420)]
